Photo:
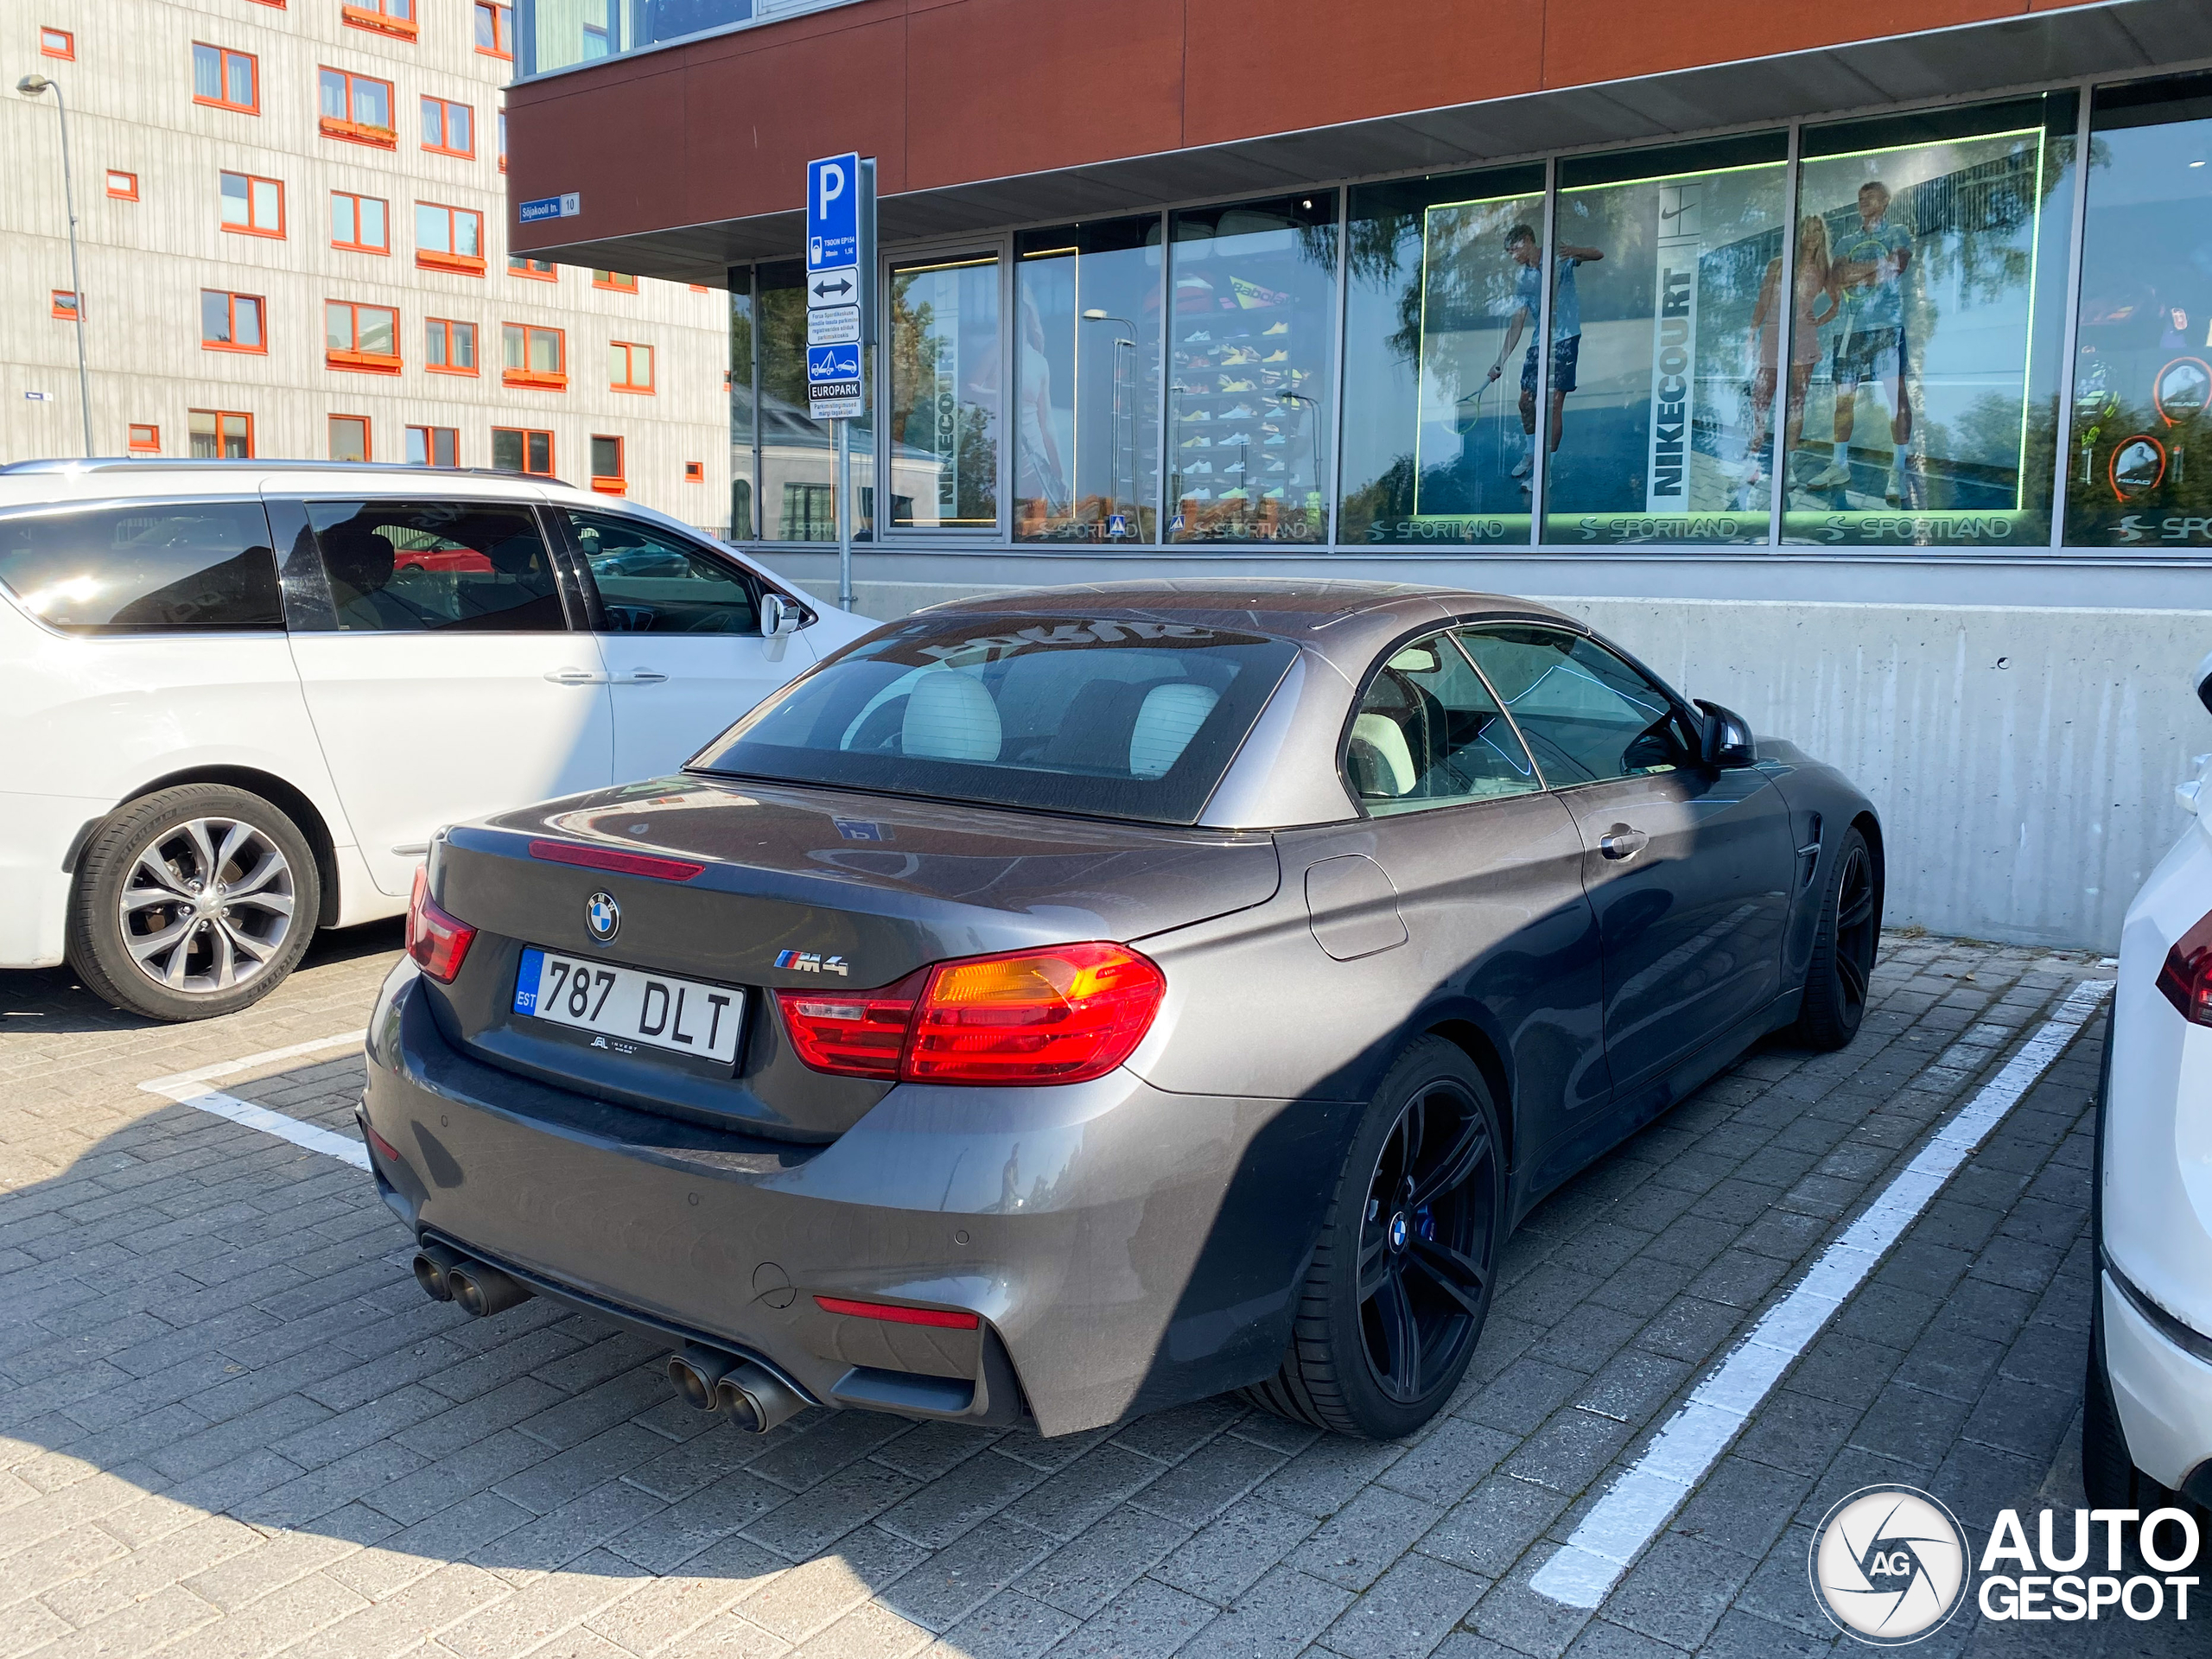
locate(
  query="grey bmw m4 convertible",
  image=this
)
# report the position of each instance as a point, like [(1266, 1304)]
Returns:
[(1057, 1006)]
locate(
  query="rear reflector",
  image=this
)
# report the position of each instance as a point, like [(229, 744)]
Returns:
[(2185, 977), (891, 1313), (1063, 1015), (438, 942), (609, 858), (391, 1153)]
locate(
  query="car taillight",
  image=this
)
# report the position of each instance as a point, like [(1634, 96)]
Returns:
[(438, 942), (2185, 978), (1061, 1014)]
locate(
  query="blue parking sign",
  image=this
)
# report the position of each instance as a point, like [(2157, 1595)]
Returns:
[(833, 363), (833, 195)]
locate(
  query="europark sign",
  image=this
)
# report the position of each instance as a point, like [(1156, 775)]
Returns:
[(840, 284)]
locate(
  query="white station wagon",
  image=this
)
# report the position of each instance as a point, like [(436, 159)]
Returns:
[(242, 696)]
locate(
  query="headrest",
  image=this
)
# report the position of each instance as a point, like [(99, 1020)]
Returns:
[(949, 716), (1169, 718)]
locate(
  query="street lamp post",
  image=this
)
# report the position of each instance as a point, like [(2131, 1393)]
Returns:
[(31, 87)]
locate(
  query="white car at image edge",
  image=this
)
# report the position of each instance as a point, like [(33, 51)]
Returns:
[(243, 696), (2148, 1413)]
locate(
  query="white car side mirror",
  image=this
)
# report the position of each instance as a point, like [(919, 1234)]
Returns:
[(778, 616)]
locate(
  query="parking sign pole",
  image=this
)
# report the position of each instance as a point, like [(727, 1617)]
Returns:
[(844, 514), (840, 318)]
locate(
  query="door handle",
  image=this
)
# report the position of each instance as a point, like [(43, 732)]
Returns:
[(1623, 842), (576, 677), (640, 677)]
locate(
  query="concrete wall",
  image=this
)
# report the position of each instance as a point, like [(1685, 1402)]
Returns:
[(2022, 758)]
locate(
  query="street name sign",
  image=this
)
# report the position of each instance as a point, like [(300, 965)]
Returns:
[(568, 207)]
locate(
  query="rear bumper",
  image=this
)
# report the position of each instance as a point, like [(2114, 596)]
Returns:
[(2163, 1391), (37, 834), (1130, 1249)]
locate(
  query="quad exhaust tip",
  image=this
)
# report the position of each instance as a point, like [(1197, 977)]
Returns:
[(447, 1275), (750, 1395)]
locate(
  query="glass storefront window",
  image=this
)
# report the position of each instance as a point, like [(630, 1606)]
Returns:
[(1086, 457), (1250, 371), (2137, 474), (1430, 440), (743, 425), (946, 376), (1667, 270), (798, 457), (1930, 400), (558, 34)]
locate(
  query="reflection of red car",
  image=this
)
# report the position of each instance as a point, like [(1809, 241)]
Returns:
[(441, 558)]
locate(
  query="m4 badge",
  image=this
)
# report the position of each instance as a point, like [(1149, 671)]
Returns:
[(813, 962)]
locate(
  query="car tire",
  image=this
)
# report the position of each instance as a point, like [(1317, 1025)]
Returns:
[(147, 935), (1844, 948), (1390, 1309)]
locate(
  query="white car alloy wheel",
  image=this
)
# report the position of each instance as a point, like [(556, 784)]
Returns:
[(208, 903)]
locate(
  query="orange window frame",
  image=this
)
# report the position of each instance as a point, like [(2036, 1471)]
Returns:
[(445, 107), (379, 17), (354, 131), (219, 416), (130, 190), (443, 328), (354, 358), (222, 99), (57, 43), (145, 439), (526, 376), (368, 452), (695, 472), (619, 282), (231, 318), (431, 445), (466, 264), (249, 228), (617, 481), (503, 28), (526, 433), (627, 380), (356, 245), (66, 304), (521, 264)]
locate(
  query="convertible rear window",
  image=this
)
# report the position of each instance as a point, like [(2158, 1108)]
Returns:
[(1108, 717)]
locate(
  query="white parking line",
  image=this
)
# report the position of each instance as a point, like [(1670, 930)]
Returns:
[(184, 1088), (1584, 1568)]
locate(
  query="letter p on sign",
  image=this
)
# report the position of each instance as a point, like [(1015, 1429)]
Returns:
[(832, 187)]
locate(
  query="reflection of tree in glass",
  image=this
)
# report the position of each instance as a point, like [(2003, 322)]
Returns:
[(783, 345)]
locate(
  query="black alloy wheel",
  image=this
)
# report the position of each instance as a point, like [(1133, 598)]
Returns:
[(1401, 1275), (1837, 980)]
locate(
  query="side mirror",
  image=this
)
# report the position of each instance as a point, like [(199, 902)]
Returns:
[(1728, 739), (2204, 684), (778, 616)]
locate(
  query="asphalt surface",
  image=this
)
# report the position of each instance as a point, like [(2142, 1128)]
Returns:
[(231, 1425)]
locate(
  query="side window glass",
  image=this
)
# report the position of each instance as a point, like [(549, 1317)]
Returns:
[(151, 569), (1429, 734), (417, 567), (651, 583), (1587, 715)]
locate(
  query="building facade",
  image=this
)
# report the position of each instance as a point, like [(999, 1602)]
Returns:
[(1856, 379), (291, 224)]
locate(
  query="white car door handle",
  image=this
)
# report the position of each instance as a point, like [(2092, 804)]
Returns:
[(578, 677), (640, 677)]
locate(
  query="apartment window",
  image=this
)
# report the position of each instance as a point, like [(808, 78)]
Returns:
[(433, 446), (124, 186), (540, 271), (231, 322), (145, 440), (495, 29), (503, 140), (534, 357), (359, 222), (382, 16), (349, 437), (254, 205), (629, 368), (695, 472), (225, 80), (448, 239), (449, 129), (614, 279), (517, 449), (360, 337), (449, 347), (607, 465), (60, 43), (221, 435), (65, 305), (357, 108)]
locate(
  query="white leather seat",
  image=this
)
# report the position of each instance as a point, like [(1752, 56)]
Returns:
[(1169, 718), (949, 716), (1388, 740)]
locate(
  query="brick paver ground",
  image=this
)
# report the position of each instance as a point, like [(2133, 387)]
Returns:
[(231, 1425)]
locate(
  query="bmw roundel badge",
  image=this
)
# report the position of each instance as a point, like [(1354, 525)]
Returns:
[(603, 916)]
